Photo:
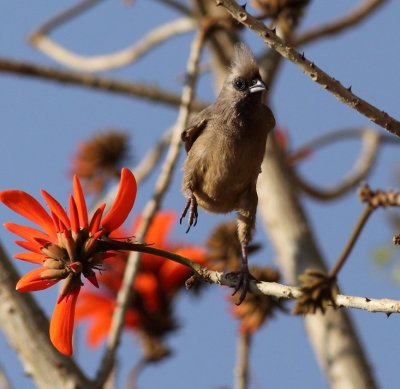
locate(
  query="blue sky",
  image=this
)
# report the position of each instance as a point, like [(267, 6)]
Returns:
[(42, 123)]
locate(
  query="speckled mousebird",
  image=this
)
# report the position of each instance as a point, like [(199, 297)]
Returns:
[(225, 145)]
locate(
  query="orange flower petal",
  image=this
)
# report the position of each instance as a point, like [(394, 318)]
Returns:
[(98, 329), (31, 246), (80, 203), (73, 215), (26, 232), (56, 208), (195, 253), (32, 281), (160, 228), (123, 202), (62, 322), (27, 206), (96, 219), (90, 304), (30, 257), (173, 274), (147, 285)]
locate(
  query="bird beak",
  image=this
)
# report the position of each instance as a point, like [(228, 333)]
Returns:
[(259, 86)]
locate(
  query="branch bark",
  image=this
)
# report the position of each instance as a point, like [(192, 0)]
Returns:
[(111, 85), (356, 16)]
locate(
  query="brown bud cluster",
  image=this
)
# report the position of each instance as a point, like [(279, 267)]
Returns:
[(256, 309), (379, 198), (101, 158), (224, 248), (318, 291), (396, 239)]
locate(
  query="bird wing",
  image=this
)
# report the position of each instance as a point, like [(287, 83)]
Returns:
[(190, 134)]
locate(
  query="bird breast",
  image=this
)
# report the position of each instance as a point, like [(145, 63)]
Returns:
[(225, 165)]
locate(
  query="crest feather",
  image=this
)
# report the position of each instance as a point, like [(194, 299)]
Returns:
[(243, 59)]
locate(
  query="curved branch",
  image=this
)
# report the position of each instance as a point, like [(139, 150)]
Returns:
[(114, 60), (352, 19), (112, 85), (361, 168), (343, 94)]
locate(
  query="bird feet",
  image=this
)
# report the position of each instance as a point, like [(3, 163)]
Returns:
[(243, 284), (191, 206), (244, 277)]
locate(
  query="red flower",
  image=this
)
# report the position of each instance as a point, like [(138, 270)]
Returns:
[(66, 246), (157, 282)]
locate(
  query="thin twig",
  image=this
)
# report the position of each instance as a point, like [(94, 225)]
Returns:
[(266, 288), (112, 85), (360, 170), (343, 94), (4, 381), (177, 5), (242, 362), (64, 17), (352, 241), (355, 17), (151, 159), (112, 60), (151, 208)]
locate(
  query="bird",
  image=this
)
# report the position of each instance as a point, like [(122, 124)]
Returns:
[(225, 145)]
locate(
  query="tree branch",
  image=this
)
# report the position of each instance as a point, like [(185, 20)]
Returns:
[(264, 288), (113, 60), (355, 17), (242, 369), (362, 167), (313, 71), (140, 90)]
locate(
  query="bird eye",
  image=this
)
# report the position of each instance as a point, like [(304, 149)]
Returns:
[(239, 84)]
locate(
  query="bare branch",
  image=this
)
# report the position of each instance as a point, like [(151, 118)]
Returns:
[(64, 17), (313, 71), (114, 60), (355, 17), (242, 362), (177, 5), (362, 167), (151, 159), (140, 90), (151, 208), (265, 288)]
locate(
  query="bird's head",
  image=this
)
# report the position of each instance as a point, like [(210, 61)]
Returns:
[(244, 81)]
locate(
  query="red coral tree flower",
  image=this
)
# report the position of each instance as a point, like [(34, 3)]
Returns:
[(150, 311), (66, 246)]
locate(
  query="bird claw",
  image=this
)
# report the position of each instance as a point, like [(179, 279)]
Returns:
[(191, 206), (244, 284)]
